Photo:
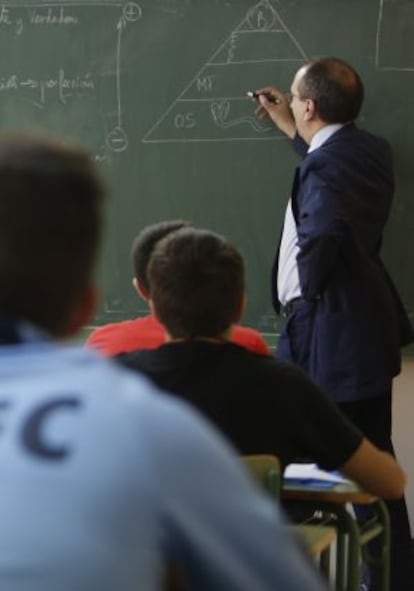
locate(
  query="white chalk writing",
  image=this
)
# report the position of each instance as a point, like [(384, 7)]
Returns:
[(52, 16), (65, 86)]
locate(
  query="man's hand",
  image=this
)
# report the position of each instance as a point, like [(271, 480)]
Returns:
[(279, 111)]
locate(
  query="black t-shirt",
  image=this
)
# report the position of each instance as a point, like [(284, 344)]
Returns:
[(261, 404)]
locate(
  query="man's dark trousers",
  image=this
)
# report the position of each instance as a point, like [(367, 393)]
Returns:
[(373, 416)]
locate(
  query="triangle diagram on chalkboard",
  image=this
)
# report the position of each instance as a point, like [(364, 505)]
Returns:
[(213, 107)]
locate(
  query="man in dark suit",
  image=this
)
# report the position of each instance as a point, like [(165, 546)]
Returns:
[(345, 323)]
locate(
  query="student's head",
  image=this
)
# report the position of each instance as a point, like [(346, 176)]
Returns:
[(326, 89), (50, 224), (142, 248), (197, 283)]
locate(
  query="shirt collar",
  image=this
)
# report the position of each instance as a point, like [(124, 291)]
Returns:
[(14, 331), (323, 134)]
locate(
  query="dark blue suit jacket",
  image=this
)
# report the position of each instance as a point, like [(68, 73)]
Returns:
[(341, 200)]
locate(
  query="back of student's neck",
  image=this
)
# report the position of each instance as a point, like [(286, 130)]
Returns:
[(222, 338)]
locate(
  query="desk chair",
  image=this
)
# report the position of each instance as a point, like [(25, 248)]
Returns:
[(267, 470), (330, 505), (315, 539)]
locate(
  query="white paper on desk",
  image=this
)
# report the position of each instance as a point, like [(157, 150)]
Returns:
[(312, 472)]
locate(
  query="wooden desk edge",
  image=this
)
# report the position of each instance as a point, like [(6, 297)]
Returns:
[(338, 497)]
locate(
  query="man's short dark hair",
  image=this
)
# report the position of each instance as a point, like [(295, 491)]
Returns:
[(145, 243), (50, 223), (197, 283), (335, 87)]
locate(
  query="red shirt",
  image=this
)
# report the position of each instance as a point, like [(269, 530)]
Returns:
[(147, 333)]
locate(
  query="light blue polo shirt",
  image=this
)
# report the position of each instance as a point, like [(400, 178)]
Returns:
[(103, 479)]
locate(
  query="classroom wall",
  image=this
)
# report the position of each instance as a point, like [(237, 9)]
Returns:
[(403, 422)]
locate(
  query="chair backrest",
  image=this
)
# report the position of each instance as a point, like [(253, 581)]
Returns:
[(267, 470)]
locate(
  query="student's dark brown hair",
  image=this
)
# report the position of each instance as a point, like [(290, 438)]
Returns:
[(50, 225), (197, 283), (145, 243)]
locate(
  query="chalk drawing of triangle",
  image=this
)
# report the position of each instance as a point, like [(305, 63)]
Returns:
[(213, 106)]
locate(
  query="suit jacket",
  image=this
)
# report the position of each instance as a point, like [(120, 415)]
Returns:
[(341, 199)]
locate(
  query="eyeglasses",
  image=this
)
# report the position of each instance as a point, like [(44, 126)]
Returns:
[(291, 95)]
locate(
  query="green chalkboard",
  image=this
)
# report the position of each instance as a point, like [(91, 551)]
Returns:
[(156, 90)]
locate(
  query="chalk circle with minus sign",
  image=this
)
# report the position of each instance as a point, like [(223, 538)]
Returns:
[(117, 140), (132, 11)]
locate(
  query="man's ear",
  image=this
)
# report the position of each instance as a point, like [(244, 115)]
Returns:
[(310, 110), (140, 288), (83, 312)]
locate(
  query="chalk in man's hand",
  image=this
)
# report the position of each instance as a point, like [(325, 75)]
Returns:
[(270, 97)]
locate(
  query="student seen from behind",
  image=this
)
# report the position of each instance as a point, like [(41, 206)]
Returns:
[(146, 332), (104, 479), (262, 404)]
